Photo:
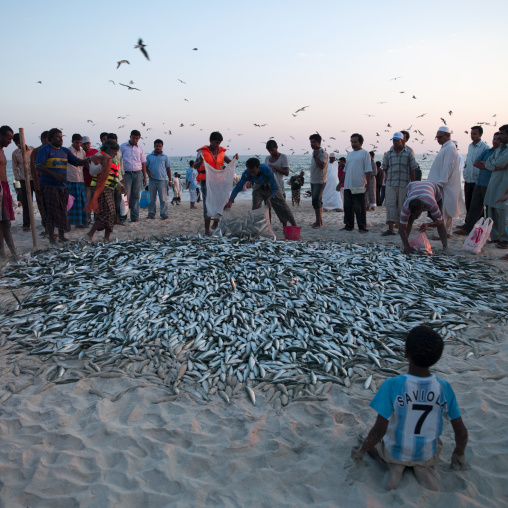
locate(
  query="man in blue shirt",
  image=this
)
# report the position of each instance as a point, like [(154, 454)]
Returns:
[(158, 167), (265, 189), (476, 208)]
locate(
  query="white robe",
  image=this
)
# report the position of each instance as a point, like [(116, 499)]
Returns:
[(331, 197), (445, 172)]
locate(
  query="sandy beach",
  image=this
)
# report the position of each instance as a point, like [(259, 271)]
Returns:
[(120, 441)]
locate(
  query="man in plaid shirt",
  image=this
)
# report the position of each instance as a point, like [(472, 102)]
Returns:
[(399, 164)]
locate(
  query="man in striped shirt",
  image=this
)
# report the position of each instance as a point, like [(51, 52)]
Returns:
[(422, 197), (399, 164), (410, 415)]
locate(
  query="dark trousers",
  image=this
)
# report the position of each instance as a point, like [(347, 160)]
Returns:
[(24, 202), (476, 208), (354, 205), (468, 194), (118, 200), (382, 195)]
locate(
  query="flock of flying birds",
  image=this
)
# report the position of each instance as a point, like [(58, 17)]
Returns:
[(141, 46)]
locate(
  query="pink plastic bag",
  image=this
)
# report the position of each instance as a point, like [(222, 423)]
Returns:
[(70, 202), (420, 244)]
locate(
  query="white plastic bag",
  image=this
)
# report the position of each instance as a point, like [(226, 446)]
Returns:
[(124, 205), (478, 236), (219, 183), (238, 222), (420, 244)]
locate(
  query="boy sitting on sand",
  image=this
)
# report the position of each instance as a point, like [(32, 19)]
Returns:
[(410, 415)]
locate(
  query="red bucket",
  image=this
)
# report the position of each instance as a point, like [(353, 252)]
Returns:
[(292, 233)]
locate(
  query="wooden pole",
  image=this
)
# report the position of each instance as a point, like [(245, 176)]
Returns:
[(29, 195)]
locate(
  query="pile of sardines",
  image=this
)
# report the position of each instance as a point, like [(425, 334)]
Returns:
[(220, 317)]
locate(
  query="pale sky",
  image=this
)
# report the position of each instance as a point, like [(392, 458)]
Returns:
[(257, 62)]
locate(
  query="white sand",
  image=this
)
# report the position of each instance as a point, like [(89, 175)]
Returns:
[(69, 447)]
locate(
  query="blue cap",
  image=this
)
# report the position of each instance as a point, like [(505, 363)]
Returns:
[(398, 135)]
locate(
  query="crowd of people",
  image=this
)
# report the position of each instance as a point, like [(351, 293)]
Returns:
[(81, 186)]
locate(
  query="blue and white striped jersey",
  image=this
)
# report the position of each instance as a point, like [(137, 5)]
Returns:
[(414, 407)]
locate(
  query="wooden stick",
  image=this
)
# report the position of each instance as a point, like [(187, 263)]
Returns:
[(29, 194)]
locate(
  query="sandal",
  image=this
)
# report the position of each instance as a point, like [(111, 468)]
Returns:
[(388, 233)]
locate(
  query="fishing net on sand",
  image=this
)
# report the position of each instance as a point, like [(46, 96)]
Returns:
[(245, 223), (219, 183)]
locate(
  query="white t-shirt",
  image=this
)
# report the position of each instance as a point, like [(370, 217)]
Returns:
[(357, 165), (281, 162)]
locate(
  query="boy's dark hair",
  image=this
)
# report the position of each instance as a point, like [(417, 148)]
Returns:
[(158, 141), (478, 128), (424, 346), (271, 143), (216, 136), (359, 136), (405, 134), (113, 136), (372, 154), (191, 164), (316, 137), (252, 163), (504, 128), (135, 133), (44, 135), (16, 138), (77, 137), (342, 159), (103, 135), (378, 164)]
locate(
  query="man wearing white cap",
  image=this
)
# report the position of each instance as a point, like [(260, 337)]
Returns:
[(400, 165), (445, 172)]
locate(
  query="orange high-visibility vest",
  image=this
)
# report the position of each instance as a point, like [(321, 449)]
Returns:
[(215, 162)]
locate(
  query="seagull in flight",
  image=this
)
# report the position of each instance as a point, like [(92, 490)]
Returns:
[(194, 49), (450, 112), (301, 109), (413, 97), (421, 116), (402, 92), (182, 81), (142, 47), (111, 81), (388, 125), (366, 114), (395, 79), (444, 121), (130, 87), (90, 121), (120, 62), (382, 103), (40, 83)]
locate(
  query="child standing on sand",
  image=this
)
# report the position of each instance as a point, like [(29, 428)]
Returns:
[(177, 189), (410, 415)]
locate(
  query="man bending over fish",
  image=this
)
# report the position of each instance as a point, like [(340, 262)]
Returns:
[(422, 197), (265, 189)]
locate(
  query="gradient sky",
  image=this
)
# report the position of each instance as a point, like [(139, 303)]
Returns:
[(257, 62)]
